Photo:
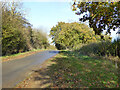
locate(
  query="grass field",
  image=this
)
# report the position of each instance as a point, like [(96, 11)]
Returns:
[(73, 70)]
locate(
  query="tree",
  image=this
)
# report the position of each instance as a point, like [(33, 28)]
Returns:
[(72, 35), (17, 33), (39, 39), (12, 28), (101, 15)]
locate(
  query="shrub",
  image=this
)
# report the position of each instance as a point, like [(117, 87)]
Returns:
[(102, 48)]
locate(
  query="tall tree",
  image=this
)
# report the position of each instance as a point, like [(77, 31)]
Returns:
[(13, 28), (101, 15), (39, 39), (72, 35), (17, 33)]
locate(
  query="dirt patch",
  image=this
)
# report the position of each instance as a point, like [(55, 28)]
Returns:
[(39, 78), (20, 56)]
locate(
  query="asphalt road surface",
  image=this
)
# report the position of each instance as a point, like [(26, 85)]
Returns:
[(15, 71)]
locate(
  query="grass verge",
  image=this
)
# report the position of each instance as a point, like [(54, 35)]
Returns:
[(20, 55), (71, 70)]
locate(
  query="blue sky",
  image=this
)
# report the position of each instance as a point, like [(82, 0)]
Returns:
[(46, 14)]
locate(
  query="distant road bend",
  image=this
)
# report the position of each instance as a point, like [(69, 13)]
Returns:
[(15, 71)]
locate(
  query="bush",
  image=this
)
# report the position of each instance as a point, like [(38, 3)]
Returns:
[(105, 48)]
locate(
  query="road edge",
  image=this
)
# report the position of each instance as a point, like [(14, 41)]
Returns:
[(24, 83), (11, 58)]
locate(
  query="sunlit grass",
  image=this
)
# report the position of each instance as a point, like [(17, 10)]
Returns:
[(4, 57), (74, 70)]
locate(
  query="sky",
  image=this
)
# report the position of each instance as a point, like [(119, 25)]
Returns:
[(45, 15)]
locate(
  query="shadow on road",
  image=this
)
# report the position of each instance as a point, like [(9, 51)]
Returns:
[(53, 51)]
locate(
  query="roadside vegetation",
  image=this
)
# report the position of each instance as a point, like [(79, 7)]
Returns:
[(94, 60), (70, 69), (88, 62), (20, 55), (95, 39), (102, 49), (102, 16), (17, 33), (79, 37), (73, 35), (74, 70), (87, 58)]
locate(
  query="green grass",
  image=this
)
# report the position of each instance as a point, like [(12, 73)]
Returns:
[(4, 57), (73, 70)]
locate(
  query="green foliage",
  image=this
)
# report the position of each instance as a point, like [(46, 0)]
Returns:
[(99, 14), (39, 39), (72, 35), (17, 33), (12, 26), (52, 47), (106, 48)]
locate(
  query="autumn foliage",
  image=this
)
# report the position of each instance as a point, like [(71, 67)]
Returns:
[(72, 35), (17, 33)]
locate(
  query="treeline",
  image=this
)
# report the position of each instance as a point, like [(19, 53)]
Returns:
[(17, 33), (72, 36), (106, 48), (81, 38), (100, 16)]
